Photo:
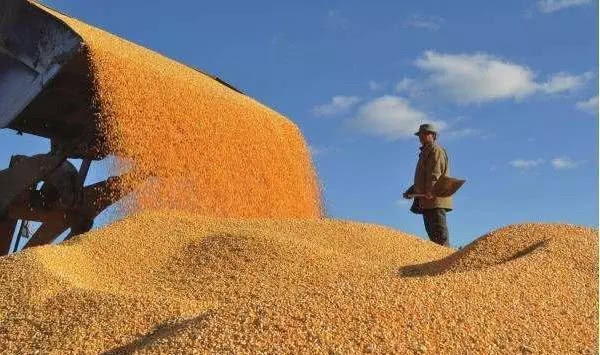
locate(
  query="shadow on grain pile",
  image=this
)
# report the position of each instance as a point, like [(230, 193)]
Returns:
[(492, 249), (162, 331)]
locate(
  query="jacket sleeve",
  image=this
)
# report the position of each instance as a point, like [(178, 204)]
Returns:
[(434, 168)]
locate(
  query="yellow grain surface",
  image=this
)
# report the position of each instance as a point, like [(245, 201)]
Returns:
[(210, 149), (174, 282)]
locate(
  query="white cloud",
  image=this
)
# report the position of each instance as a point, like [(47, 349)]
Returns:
[(589, 106), (404, 85), (477, 78), (547, 6), (375, 86), (564, 82), (427, 22), (562, 163), (526, 164), (339, 104), (391, 117), (559, 163)]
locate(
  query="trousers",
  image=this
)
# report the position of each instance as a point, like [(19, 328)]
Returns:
[(435, 225)]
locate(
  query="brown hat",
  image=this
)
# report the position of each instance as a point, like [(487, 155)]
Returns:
[(426, 127)]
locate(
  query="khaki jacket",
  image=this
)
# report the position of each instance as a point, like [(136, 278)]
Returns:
[(433, 163)]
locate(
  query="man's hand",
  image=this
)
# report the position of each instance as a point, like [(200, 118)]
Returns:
[(405, 195), (429, 196)]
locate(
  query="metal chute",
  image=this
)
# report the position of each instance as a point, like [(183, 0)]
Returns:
[(45, 90)]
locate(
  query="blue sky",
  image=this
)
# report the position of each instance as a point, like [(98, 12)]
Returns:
[(513, 85)]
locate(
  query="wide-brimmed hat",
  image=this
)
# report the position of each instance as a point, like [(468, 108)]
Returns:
[(426, 127)]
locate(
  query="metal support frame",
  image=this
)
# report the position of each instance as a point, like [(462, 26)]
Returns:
[(22, 202)]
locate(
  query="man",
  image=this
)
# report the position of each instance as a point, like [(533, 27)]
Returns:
[(433, 163)]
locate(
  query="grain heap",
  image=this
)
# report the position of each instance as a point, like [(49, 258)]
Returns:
[(170, 282), (210, 149)]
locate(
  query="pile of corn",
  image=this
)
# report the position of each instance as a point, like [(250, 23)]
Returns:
[(173, 282), (207, 148)]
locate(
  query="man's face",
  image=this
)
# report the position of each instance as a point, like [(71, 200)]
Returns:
[(426, 137)]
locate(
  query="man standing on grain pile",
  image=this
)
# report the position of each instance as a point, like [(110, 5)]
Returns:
[(433, 163)]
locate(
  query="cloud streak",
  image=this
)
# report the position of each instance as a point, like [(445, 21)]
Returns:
[(404, 85), (558, 163), (376, 86), (549, 6), (525, 164), (339, 104), (590, 106), (563, 163), (427, 22), (564, 82)]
